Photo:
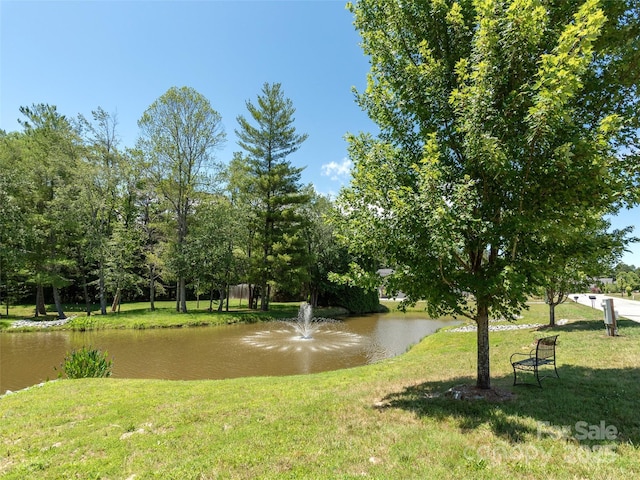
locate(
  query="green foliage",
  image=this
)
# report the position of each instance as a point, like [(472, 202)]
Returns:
[(270, 186), (326, 255), (180, 132), (589, 250), (498, 136), (87, 363), (627, 282), (51, 164), (355, 299)]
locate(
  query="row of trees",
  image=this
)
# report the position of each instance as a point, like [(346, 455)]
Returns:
[(78, 209), (508, 131), (626, 280)]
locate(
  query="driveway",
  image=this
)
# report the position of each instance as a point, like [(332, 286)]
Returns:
[(626, 308)]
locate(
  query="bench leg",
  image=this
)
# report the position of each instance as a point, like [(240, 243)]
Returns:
[(535, 374), (538, 377)]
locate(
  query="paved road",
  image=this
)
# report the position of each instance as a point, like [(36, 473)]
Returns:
[(626, 308)]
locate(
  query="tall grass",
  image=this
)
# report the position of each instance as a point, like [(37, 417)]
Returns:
[(87, 362)]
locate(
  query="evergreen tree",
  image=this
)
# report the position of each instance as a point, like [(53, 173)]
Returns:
[(276, 188), (52, 155)]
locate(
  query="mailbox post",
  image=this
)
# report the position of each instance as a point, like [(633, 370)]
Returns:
[(609, 317)]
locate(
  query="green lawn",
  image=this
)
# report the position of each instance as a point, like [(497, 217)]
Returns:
[(140, 316), (388, 420)]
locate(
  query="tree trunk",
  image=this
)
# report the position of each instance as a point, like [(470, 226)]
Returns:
[(58, 302), (211, 291), (178, 296), (264, 300), (40, 307), (221, 303), (552, 314), (152, 287), (103, 294), (85, 292), (484, 379), (116, 301), (313, 296), (250, 295), (183, 295)]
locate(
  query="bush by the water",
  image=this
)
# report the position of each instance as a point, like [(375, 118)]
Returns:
[(87, 363), (355, 299)]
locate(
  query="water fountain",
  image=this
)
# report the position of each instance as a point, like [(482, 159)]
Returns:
[(306, 324), (306, 333)]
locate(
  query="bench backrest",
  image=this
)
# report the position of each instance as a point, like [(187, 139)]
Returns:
[(546, 347)]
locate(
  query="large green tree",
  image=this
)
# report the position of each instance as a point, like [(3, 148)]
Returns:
[(212, 241), (268, 138), (51, 152), (98, 198), (14, 183), (588, 252), (501, 121), (180, 132), (325, 255)]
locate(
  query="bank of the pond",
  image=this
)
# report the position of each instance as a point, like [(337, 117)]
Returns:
[(388, 420), (139, 316)]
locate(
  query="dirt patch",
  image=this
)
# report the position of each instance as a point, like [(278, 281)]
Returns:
[(415, 396), (471, 392)]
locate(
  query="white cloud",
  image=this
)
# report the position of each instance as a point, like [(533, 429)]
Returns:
[(337, 171)]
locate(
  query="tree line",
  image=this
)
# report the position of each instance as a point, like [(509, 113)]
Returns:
[(624, 279), (84, 216)]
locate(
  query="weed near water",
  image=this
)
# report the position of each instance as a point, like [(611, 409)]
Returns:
[(87, 362)]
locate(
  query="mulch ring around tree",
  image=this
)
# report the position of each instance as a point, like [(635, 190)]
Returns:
[(468, 393), (471, 393)]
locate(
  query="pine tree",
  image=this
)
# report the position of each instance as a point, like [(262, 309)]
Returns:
[(268, 141)]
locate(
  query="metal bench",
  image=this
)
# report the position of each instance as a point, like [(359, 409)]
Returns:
[(543, 355)]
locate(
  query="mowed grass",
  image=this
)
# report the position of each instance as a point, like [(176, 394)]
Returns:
[(389, 420)]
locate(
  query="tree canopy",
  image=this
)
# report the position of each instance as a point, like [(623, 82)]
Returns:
[(268, 139), (180, 132), (503, 125)]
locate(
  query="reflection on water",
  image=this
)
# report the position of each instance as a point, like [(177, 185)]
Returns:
[(215, 352)]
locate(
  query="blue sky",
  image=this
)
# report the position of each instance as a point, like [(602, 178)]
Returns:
[(122, 55)]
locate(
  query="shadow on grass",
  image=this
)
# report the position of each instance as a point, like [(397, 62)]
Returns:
[(579, 395)]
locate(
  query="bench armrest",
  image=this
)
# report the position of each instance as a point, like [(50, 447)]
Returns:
[(531, 354)]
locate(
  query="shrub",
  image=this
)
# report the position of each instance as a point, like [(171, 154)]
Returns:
[(87, 363), (355, 299)]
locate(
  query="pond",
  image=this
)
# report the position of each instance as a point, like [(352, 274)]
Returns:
[(261, 349)]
